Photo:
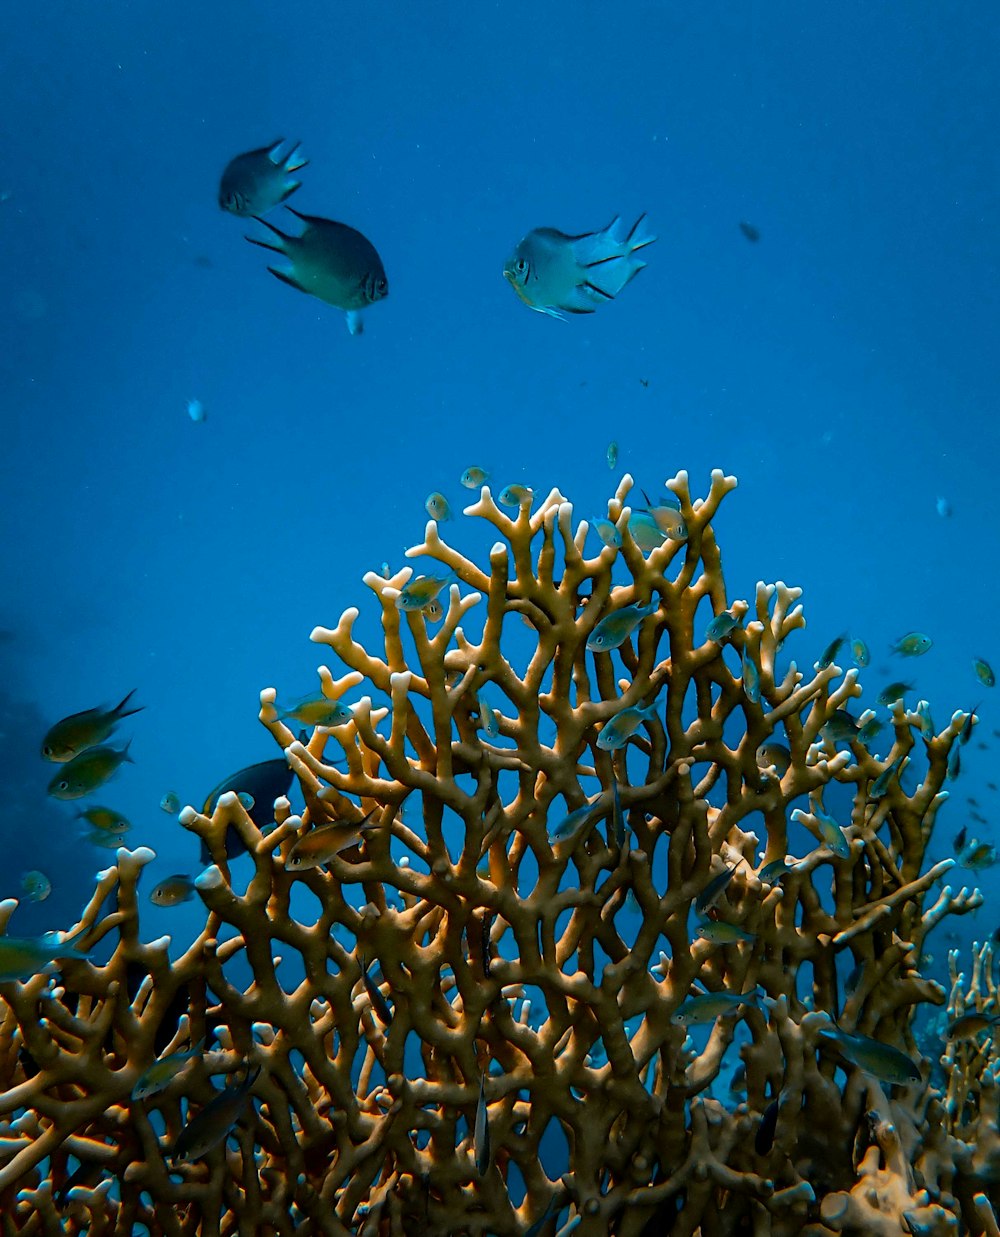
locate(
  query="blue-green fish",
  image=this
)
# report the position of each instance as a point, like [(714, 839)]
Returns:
[(85, 773), (612, 454), (515, 495), (870, 730), (772, 872), (881, 1061), (161, 1073), (170, 803), (829, 654), (318, 710), (608, 532), (330, 261), (556, 274), (215, 1121), (570, 825), (255, 182), (74, 734), (751, 679), (720, 933), (421, 591), (881, 784), (913, 644), (976, 856), (721, 627), (615, 628), (474, 477), (617, 731), (926, 721), (487, 715), (840, 727), (707, 1006), (776, 754), (380, 1006), (984, 672), (715, 888), (24, 956), (893, 692), (105, 818), (437, 506), (831, 833), (859, 652), (36, 885), (645, 532)]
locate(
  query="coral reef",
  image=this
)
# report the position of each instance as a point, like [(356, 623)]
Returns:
[(473, 1016)]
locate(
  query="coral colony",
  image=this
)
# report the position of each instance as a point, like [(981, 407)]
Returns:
[(527, 982)]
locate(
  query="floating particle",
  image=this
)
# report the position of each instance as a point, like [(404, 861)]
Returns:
[(196, 411)]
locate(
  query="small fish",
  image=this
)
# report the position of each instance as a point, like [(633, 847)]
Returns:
[(24, 956), (763, 1140), (954, 767), (720, 933), (170, 803), (556, 274), (984, 672), (380, 1007), (246, 800), (615, 628), (881, 1061), (74, 734), (738, 1082), (608, 532), (893, 692), (830, 832), (385, 571), (474, 477), (881, 784), (515, 495), (36, 885), (829, 654), (572, 824), (86, 772), (924, 719), (318, 710), (332, 262), (965, 734), (617, 731), (669, 521), (840, 727), (959, 841), (421, 591), (213, 1124), (173, 890), (645, 532), (436, 506), (774, 754), (619, 823), (943, 508), (772, 872), (255, 182), (715, 888), (707, 1006), (110, 841), (721, 627), (749, 231), (433, 612), (913, 644), (751, 679), (612, 454), (161, 1073), (487, 715), (968, 1026), (976, 856), (319, 845), (196, 411), (859, 652), (481, 1133), (870, 730), (106, 819)]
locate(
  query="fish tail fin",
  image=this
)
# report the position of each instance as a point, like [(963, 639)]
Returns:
[(609, 255), (121, 711), (294, 159), (125, 756), (272, 150), (640, 236)]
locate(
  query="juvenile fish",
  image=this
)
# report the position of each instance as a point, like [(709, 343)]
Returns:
[(720, 933), (79, 731), (216, 1120), (707, 1006), (751, 679), (515, 495), (488, 717), (893, 692), (572, 824), (775, 754), (173, 890), (380, 1007), (320, 845), (170, 803), (255, 182), (859, 652), (984, 672), (474, 477), (614, 629), (881, 1061), (36, 885), (318, 710), (830, 832), (870, 730), (840, 727), (161, 1073), (85, 773), (772, 872), (421, 591), (881, 784), (105, 818), (437, 506), (608, 532), (24, 956), (968, 1026), (617, 731), (913, 644), (645, 532), (612, 454), (721, 627), (829, 654)]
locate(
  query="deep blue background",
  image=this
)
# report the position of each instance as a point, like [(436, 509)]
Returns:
[(845, 367)]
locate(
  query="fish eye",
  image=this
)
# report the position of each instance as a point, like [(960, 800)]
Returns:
[(381, 284), (46, 750), (521, 265), (64, 785)]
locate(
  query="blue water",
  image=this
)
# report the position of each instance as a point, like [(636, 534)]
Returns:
[(845, 366)]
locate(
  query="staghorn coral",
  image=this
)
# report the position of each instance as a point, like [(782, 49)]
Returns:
[(546, 973)]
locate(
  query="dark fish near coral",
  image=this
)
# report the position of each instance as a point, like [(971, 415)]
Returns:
[(721, 627), (86, 772), (840, 727), (881, 1061), (380, 1007), (764, 1138), (829, 654), (615, 628), (215, 1121), (715, 888), (79, 731), (24, 956), (266, 781), (173, 890), (161, 1073), (967, 1026), (255, 182), (893, 692), (332, 262), (556, 274), (775, 754)]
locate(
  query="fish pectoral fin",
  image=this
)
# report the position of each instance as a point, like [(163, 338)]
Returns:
[(285, 278), (290, 188), (550, 311)]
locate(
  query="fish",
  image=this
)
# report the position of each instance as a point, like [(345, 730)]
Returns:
[(608, 532), (158, 1076), (85, 773), (318, 710), (763, 1140), (437, 506), (925, 720), (870, 730), (893, 692), (213, 1124), (720, 933), (556, 274), (965, 734), (380, 1007), (645, 532), (840, 727), (775, 754), (330, 261), (615, 628), (707, 1006), (750, 232), (485, 925), (265, 781), (976, 856), (421, 591), (959, 841), (259, 180), (830, 832), (968, 1026), (859, 652), (36, 885), (721, 627), (772, 872), (881, 1061), (984, 672), (481, 1133), (668, 521), (110, 841), (881, 784), (105, 818), (320, 844), (751, 679), (79, 731), (487, 715), (433, 612), (715, 888), (829, 654), (196, 411), (474, 477), (570, 825), (170, 803), (954, 767), (611, 455), (913, 644), (943, 508), (619, 823), (173, 890), (515, 495), (617, 731), (24, 956)]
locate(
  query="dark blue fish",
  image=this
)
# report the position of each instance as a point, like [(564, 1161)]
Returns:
[(264, 782)]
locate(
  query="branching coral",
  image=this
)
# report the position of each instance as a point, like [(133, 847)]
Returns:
[(546, 971)]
